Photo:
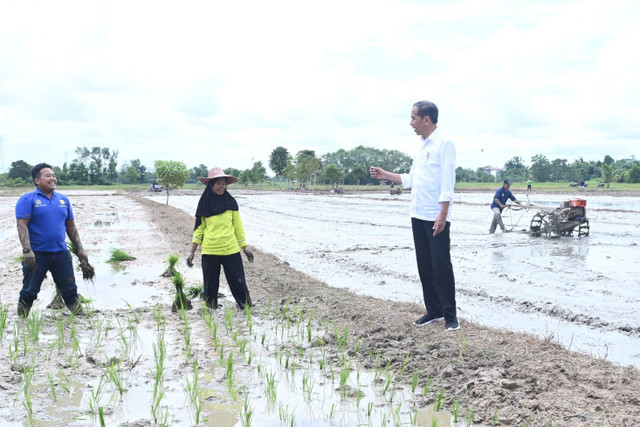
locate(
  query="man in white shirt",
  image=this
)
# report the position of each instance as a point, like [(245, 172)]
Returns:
[(432, 180)]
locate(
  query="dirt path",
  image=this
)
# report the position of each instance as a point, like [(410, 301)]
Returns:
[(516, 375)]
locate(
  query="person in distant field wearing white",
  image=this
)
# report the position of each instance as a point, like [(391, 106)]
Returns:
[(432, 179)]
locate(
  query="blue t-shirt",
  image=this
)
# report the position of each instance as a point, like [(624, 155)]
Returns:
[(502, 194), (47, 219)]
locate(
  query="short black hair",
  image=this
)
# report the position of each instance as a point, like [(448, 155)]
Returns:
[(427, 108), (35, 172)]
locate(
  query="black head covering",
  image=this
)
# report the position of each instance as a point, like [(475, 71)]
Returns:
[(211, 204)]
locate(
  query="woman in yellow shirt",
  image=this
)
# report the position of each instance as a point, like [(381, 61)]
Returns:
[(219, 231)]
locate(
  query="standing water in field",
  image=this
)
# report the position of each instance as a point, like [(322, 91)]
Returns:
[(583, 291)]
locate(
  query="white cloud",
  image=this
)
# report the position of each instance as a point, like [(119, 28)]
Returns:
[(230, 81)]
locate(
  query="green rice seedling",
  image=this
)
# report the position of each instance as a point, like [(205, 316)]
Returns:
[(494, 421), (52, 388), (333, 410), (194, 393), (264, 335), (307, 384), (242, 345), (228, 319), (434, 421), (414, 381), (344, 377), (114, 374), (118, 255), (186, 334), (404, 366), (270, 385), (159, 415), (468, 420), (4, 310), (133, 312), (195, 292), (359, 396), (456, 410), (246, 414), (27, 378), (427, 385), (369, 409), (388, 382), (230, 369), (64, 380), (19, 259), (94, 398), (101, 416), (88, 272), (285, 416), (180, 302), (438, 403), (157, 313), (463, 345), (171, 269), (249, 358), (413, 418)]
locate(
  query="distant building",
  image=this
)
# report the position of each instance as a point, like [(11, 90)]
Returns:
[(493, 171)]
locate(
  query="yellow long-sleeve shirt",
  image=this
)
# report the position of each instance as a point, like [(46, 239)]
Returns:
[(220, 234)]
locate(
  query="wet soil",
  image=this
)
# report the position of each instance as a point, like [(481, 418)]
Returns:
[(518, 376)]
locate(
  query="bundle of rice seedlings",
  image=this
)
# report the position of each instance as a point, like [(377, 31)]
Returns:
[(181, 302), (195, 291), (171, 269), (118, 255), (88, 272)]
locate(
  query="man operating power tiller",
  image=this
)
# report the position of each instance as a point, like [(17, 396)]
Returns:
[(44, 216), (499, 203)]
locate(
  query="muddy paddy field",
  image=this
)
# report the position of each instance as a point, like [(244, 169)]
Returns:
[(550, 328)]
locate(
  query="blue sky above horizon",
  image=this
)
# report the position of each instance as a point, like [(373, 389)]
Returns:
[(224, 84)]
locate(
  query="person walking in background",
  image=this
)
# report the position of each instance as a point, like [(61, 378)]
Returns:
[(499, 203), (432, 179), (43, 217), (219, 230), (529, 184)]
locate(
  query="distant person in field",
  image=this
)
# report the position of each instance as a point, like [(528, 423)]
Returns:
[(529, 185), (219, 230), (432, 179), (43, 217), (499, 204)]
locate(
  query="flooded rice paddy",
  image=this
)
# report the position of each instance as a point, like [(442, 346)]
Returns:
[(131, 361), (584, 292)]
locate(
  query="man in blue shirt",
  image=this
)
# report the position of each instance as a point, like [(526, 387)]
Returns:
[(44, 216), (499, 203)]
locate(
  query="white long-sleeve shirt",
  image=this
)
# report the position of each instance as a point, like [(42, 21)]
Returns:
[(432, 177)]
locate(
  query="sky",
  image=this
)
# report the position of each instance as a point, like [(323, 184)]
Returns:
[(223, 83)]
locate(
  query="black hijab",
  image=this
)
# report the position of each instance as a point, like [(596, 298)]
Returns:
[(211, 204)]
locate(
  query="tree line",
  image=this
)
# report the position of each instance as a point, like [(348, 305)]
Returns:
[(558, 170), (99, 166)]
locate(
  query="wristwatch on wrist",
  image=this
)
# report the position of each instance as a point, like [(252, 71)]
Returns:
[(26, 250)]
